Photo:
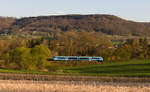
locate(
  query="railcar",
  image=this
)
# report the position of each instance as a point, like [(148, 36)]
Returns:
[(77, 58)]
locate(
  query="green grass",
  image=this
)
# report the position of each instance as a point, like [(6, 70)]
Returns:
[(24, 72), (134, 68)]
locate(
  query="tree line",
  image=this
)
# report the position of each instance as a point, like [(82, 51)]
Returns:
[(33, 53)]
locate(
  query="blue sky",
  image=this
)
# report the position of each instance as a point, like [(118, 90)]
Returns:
[(137, 10)]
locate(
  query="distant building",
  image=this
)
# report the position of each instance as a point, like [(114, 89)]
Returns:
[(115, 45)]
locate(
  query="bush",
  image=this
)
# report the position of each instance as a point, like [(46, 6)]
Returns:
[(53, 67)]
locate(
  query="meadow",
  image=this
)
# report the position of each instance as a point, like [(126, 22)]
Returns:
[(127, 71), (129, 76), (132, 68)]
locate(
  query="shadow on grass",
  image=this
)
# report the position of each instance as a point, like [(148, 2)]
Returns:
[(114, 69)]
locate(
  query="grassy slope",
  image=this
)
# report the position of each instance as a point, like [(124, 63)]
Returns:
[(136, 68)]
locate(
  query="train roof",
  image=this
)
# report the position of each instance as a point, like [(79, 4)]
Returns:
[(76, 56)]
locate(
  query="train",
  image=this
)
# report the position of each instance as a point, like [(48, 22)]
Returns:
[(77, 58)]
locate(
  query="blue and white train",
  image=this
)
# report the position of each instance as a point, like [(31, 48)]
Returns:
[(77, 58)]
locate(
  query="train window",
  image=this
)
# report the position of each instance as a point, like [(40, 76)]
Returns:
[(95, 58), (83, 58), (72, 58)]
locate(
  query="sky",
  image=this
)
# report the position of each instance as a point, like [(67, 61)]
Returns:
[(136, 10)]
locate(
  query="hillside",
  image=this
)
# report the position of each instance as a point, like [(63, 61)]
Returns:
[(5, 23), (106, 24)]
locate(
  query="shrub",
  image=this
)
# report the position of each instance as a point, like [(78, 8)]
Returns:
[(53, 67)]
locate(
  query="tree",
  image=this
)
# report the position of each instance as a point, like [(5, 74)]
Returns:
[(40, 54), (29, 58), (122, 54), (144, 48), (20, 56), (34, 42)]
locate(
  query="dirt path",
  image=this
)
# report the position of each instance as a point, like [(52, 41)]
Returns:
[(35, 77)]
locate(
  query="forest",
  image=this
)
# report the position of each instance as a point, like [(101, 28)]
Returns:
[(52, 25)]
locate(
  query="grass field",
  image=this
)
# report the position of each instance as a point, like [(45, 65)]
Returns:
[(70, 86), (71, 79), (133, 68)]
